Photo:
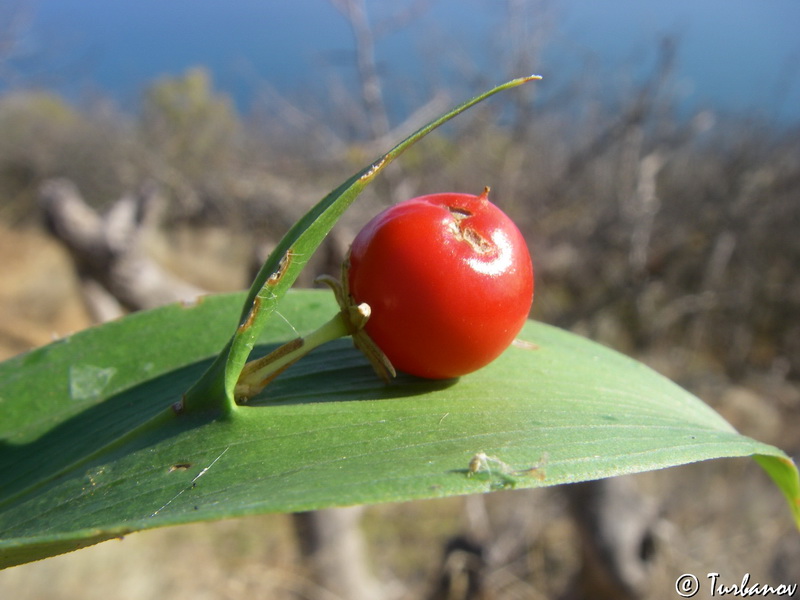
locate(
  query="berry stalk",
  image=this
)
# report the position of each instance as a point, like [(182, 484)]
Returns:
[(349, 321)]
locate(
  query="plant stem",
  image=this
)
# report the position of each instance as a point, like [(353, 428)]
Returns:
[(259, 373)]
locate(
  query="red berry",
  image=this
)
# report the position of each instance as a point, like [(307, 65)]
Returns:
[(449, 280)]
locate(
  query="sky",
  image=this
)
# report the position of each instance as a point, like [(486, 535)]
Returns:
[(733, 55)]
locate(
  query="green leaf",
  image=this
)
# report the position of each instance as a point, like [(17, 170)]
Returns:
[(91, 448), (215, 389), (554, 408)]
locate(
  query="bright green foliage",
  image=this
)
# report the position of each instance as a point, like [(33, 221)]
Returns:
[(90, 447)]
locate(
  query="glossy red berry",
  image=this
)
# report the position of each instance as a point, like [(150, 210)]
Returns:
[(449, 280)]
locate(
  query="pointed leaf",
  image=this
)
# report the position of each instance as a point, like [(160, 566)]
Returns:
[(554, 408)]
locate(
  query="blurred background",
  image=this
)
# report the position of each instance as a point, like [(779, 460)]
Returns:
[(655, 172)]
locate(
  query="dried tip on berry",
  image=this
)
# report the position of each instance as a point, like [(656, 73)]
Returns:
[(485, 194)]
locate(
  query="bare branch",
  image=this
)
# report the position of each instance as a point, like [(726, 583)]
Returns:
[(371, 92), (109, 249)]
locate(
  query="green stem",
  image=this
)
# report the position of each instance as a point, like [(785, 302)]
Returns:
[(259, 373)]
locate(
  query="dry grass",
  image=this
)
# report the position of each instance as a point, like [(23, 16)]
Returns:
[(39, 294)]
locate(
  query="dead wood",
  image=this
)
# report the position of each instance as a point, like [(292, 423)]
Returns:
[(108, 249), (333, 546), (616, 530)]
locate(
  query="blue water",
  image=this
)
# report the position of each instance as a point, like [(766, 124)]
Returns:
[(733, 55)]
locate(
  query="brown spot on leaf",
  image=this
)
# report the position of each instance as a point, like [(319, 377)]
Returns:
[(373, 170), (251, 315), (283, 266), (192, 302), (524, 344)]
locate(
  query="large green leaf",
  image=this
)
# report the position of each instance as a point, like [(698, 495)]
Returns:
[(328, 432), (91, 448)]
